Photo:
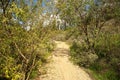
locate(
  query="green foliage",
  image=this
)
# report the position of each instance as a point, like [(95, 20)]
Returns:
[(10, 59), (106, 75), (96, 67), (81, 56), (17, 46), (107, 66), (22, 52), (108, 45), (10, 69)]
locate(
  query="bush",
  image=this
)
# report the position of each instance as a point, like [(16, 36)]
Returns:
[(81, 56), (22, 52), (105, 61), (107, 75), (107, 47)]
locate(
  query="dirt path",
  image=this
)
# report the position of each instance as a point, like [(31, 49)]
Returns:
[(61, 68)]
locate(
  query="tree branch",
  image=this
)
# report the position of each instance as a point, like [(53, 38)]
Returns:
[(20, 52)]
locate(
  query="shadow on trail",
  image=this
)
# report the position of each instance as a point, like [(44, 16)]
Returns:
[(61, 52)]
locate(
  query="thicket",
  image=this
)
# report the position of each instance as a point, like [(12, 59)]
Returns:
[(22, 51)]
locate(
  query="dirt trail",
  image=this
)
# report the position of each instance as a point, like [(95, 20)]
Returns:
[(60, 68)]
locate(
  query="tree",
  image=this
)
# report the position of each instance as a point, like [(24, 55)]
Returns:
[(88, 16)]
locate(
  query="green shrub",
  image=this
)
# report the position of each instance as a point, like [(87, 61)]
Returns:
[(22, 52), (96, 67), (105, 61), (106, 75), (107, 47), (81, 56)]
